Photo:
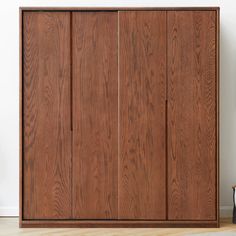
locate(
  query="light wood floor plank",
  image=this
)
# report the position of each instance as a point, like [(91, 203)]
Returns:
[(9, 227)]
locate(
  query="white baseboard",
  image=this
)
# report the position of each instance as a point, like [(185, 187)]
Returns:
[(9, 211), (225, 211)]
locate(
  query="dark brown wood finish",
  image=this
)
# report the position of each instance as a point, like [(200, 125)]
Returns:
[(192, 115), (118, 224), (142, 92), (95, 100), (209, 219), (20, 117), (46, 116), (217, 115), (210, 8)]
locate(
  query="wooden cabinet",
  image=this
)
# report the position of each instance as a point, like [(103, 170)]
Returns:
[(119, 117)]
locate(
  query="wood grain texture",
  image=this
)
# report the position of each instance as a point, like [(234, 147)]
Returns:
[(142, 94), (192, 115), (20, 115), (119, 224), (46, 116), (217, 114), (95, 99), (193, 127), (212, 8)]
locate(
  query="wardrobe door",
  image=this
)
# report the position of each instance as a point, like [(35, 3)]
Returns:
[(142, 126), (95, 125), (191, 115), (46, 116)]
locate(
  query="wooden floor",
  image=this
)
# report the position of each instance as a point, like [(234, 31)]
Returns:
[(9, 226)]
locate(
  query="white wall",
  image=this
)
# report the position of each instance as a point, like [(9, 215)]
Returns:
[(9, 118)]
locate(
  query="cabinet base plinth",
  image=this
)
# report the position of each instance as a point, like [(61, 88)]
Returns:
[(116, 224)]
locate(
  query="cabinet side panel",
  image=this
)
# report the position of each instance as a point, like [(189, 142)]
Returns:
[(46, 116), (192, 115), (142, 76), (95, 122)]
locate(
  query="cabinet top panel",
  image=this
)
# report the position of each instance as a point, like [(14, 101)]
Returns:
[(212, 8)]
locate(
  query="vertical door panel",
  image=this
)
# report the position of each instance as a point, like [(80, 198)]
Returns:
[(46, 116), (191, 115), (142, 94), (95, 115)]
